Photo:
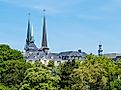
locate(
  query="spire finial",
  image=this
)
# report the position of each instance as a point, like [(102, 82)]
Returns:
[(44, 10), (100, 42), (29, 14)]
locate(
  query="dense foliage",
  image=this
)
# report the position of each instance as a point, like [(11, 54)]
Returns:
[(38, 78), (12, 67), (93, 73)]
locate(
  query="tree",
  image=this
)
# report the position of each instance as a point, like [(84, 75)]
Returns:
[(12, 66), (65, 72), (89, 78), (51, 63), (95, 73), (12, 72), (2, 87), (6, 53), (116, 84), (38, 78)]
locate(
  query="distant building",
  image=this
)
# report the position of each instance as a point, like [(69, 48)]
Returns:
[(33, 53), (113, 56)]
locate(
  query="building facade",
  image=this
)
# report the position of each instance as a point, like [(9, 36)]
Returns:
[(33, 53)]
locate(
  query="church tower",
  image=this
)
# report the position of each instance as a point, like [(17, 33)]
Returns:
[(30, 46), (100, 50), (44, 46)]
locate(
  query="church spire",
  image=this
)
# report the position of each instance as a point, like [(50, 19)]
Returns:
[(28, 31), (44, 34), (30, 37)]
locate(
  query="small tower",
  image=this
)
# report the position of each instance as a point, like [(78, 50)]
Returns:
[(30, 46), (44, 36), (100, 50)]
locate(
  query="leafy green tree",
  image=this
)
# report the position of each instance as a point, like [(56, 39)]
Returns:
[(89, 78), (38, 78), (39, 64), (12, 66), (95, 73), (65, 72), (12, 72), (51, 63), (6, 53), (3, 87), (116, 83)]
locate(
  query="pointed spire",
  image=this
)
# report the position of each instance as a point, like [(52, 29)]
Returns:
[(100, 50), (28, 30), (30, 37), (44, 35)]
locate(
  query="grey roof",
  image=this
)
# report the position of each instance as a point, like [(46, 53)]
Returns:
[(112, 55), (55, 56), (72, 53)]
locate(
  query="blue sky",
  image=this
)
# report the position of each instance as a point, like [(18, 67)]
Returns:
[(71, 24)]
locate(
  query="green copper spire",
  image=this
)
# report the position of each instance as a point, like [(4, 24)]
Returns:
[(30, 38)]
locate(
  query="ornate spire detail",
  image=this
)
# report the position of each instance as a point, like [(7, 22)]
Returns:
[(44, 34), (100, 50)]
